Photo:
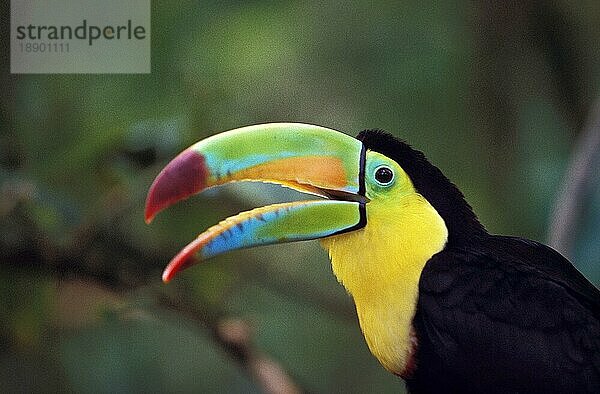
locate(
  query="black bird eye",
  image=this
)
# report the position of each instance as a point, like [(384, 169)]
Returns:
[(384, 175)]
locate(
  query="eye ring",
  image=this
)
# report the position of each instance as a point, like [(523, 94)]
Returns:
[(384, 175)]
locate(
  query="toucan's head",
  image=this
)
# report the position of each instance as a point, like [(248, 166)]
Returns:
[(385, 211)]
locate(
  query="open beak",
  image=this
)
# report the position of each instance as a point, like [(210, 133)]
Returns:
[(307, 158)]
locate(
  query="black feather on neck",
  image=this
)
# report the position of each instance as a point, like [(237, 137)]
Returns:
[(443, 195)]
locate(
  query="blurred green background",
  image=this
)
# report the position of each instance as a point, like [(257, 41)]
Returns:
[(495, 93)]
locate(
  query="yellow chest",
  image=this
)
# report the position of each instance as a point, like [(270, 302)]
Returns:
[(380, 266)]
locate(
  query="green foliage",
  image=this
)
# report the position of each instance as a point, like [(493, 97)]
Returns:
[(146, 355), (484, 97)]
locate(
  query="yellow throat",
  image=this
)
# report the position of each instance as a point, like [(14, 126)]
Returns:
[(380, 266)]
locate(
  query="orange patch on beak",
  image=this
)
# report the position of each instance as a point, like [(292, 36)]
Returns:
[(326, 172)]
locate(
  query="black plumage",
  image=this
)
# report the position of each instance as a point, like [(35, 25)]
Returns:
[(495, 314)]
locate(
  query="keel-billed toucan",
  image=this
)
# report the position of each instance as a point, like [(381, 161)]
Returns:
[(440, 301)]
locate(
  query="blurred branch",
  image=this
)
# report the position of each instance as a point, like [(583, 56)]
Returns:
[(568, 206), (87, 257), (232, 336), (235, 337), (37, 253)]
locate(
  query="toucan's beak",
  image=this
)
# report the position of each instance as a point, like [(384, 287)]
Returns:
[(307, 158)]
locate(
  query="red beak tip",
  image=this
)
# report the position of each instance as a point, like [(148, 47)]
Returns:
[(166, 278), (153, 205), (148, 217), (182, 177)]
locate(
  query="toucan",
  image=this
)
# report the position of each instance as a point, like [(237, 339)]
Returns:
[(441, 302)]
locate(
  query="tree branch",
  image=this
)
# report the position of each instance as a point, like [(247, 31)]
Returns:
[(235, 337), (567, 209), (37, 253)]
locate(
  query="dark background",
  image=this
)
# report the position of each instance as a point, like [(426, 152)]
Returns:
[(499, 95)]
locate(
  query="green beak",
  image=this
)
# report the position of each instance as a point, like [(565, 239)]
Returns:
[(307, 158)]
